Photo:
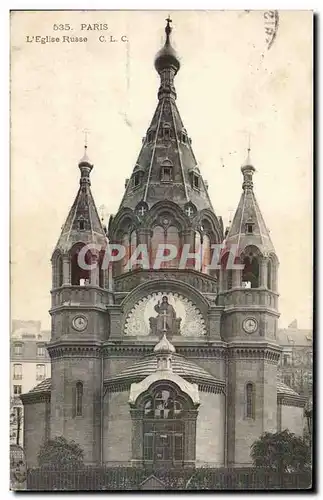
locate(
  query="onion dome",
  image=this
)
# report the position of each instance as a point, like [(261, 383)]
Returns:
[(85, 159), (167, 58), (164, 346), (248, 163)]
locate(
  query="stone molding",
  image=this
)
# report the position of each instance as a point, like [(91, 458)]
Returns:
[(269, 353), (204, 283), (291, 400), (201, 351), (74, 350), (124, 385)]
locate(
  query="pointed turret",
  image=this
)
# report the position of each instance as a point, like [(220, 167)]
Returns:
[(166, 168), (248, 226), (83, 222)]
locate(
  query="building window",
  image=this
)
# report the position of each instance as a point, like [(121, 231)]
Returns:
[(17, 389), (40, 372), (288, 380), (166, 174), (81, 224), (40, 350), (18, 349), (167, 132), (17, 372), (136, 179), (163, 237), (196, 181), (79, 399), (250, 400), (163, 428), (250, 273), (165, 417)]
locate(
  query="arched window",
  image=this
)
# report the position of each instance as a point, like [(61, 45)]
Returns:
[(172, 238), (250, 273), (79, 399), (163, 236), (158, 238), (79, 275), (81, 222), (250, 400), (166, 426)]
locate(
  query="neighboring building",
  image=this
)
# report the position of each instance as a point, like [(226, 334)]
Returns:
[(296, 363), (167, 367), (29, 364)]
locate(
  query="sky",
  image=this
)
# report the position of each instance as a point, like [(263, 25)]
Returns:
[(230, 85)]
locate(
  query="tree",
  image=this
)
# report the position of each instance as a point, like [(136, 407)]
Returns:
[(60, 453), (281, 452), (16, 421)]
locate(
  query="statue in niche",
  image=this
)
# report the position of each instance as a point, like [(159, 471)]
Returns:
[(165, 321)]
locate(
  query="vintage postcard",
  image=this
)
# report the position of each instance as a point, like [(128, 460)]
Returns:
[(161, 250)]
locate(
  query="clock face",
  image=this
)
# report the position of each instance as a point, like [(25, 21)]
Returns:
[(79, 323), (250, 325)]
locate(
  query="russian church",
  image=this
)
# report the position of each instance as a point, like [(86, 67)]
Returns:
[(171, 366)]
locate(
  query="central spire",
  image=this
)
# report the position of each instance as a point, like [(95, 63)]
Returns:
[(167, 65), (166, 168)]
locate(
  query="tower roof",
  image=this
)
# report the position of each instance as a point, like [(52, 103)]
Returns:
[(83, 222), (166, 145), (248, 226)]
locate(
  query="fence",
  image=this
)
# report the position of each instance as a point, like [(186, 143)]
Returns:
[(128, 478)]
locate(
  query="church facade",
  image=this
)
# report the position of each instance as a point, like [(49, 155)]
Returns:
[(174, 364)]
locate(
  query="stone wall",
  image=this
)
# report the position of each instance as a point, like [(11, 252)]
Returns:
[(210, 430), (84, 429), (36, 429), (117, 428)]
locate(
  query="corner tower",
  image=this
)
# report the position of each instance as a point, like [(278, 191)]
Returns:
[(79, 322), (249, 296)]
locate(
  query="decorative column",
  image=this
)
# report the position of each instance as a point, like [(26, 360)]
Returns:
[(94, 275), (221, 280), (144, 238), (144, 235), (136, 437), (263, 272), (236, 278), (188, 238), (190, 437), (66, 269)]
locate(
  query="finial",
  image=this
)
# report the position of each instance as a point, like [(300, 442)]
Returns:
[(168, 28), (85, 137), (168, 59), (248, 160)]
